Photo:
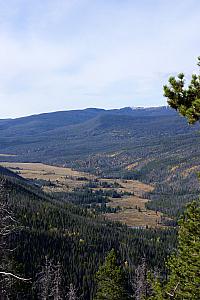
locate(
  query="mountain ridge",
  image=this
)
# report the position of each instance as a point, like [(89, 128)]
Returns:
[(156, 140), (92, 109)]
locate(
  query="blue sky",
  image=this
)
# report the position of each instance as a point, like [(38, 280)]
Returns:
[(70, 54)]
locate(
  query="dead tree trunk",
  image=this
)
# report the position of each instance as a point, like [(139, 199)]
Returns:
[(72, 294), (7, 226)]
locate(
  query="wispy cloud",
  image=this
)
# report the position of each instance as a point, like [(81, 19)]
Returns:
[(69, 54)]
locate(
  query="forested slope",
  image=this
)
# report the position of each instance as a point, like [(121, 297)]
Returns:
[(76, 238), (153, 145)]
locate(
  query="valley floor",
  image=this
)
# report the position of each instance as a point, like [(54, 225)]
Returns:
[(131, 206)]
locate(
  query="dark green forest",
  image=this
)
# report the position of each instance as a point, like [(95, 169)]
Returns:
[(74, 237)]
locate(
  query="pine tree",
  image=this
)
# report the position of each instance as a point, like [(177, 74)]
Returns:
[(110, 280), (184, 266), (185, 100)]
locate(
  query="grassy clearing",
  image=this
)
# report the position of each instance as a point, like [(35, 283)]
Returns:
[(132, 166), (64, 178), (133, 211), (134, 218), (41, 170)]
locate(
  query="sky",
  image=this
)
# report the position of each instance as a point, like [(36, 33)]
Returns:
[(72, 54)]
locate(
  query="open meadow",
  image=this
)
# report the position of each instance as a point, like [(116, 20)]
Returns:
[(131, 206)]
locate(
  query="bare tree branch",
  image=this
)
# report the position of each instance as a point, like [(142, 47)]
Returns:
[(174, 291), (7, 226), (14, 276)]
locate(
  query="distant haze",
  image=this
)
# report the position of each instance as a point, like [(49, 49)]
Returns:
[(73, 54)]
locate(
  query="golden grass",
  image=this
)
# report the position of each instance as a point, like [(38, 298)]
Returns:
[(174, 168), (63, 177), (133, 211), (188, 171), (134, 218), (139, 188), (132, 166), (128, 201), (43, 169)]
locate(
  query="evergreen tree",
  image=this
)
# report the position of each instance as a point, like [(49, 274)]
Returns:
[(110, 279), (185, 100), (184, 266)]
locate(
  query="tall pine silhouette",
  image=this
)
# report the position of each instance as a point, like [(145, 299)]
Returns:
[(110, 280)]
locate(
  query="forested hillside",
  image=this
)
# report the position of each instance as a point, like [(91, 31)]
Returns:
[(73, 237), (153, 145)]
